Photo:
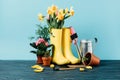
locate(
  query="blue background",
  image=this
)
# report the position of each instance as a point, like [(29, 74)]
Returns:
[(93, 18)]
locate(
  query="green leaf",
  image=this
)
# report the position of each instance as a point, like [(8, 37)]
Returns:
[(39, 52), (66, 17), (33, 52), (33, 45)]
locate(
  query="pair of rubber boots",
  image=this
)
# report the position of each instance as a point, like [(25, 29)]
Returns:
[(61, 40)]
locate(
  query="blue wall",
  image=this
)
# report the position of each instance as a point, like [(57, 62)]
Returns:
[(93, 18)]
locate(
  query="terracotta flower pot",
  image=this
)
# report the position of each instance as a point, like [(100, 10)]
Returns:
[(39, 59), (46, 61), (92, 60)]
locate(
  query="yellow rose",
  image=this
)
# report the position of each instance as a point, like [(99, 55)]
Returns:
[(40, 17)]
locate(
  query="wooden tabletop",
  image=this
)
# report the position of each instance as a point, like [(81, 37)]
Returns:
[(21, 70)]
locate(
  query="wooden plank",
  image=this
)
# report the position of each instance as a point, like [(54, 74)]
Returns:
[(21, 70)]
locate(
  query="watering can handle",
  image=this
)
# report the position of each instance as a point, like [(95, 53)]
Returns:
[(96, 41)]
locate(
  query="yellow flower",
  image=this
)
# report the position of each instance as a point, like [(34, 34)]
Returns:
[(40, 17), (61, 11), (54, 8), (49, 11), (71, 12), (66, 10), (60, 16)]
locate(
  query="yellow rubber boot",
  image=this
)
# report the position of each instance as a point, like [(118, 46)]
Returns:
[(55, 39), (66, 43)]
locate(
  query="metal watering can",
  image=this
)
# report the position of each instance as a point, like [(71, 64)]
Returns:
[(87, 46)]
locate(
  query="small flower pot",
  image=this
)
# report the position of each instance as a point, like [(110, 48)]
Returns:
[(46, 61), (91, 60), (39, 59)]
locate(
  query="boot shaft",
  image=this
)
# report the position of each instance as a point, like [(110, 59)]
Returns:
[(56, 37), (66, 40)]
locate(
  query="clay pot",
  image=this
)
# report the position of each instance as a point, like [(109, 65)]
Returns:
[(46, 61), (92, 60), (39, 59)]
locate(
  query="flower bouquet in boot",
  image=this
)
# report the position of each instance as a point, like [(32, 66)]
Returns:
[(55, 20)]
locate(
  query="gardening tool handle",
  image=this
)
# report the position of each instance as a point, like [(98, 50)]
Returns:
[(66, 68), (76, 66), (78, 50)]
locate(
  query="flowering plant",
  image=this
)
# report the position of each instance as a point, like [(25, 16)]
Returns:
[(42, 40), (40, 45), (55, 17)]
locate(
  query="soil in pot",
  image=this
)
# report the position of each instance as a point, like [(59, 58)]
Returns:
[(88, 58), (91, 59)]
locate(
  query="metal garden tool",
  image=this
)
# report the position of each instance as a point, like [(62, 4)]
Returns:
[(74, 38)]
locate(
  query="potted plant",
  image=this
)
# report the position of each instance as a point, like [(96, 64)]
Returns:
[(41, 44), (46, 58), (90, 59), (40, 49)]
